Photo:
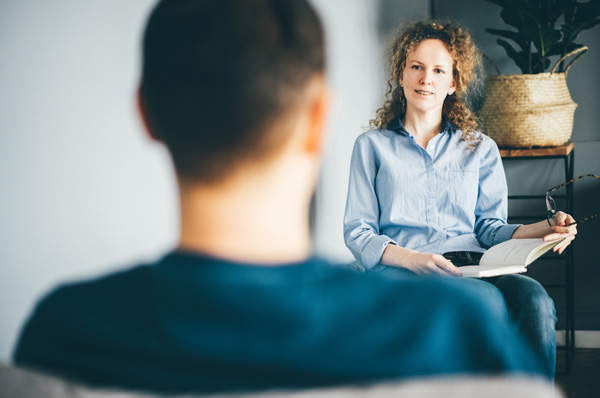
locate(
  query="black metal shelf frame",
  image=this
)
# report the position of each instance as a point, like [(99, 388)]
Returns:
[(569, 162)]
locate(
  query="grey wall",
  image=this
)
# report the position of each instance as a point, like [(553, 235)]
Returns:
[(526, 177), (83, 189)]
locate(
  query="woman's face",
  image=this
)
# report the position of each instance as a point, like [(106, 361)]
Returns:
[(427, 78)]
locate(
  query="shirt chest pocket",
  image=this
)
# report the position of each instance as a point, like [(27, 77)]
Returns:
[(463, 190)]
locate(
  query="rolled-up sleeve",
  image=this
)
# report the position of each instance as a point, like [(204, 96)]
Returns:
[(361, 218), (492, 202)]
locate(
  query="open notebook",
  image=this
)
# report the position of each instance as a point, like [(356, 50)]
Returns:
[(510, 257)]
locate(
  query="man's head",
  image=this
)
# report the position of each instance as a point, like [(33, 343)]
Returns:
[(221, 79)]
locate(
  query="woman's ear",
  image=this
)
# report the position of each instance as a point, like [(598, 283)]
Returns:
[(452, 87)]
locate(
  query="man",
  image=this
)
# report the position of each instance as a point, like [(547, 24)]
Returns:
[(236, 90)]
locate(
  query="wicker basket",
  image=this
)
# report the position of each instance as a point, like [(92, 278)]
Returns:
[(523, 111)]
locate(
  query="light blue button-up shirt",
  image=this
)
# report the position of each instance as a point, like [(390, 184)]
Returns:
[(443, 198)]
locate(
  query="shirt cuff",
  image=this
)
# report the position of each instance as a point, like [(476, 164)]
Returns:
[(371, 254), (505, 232)]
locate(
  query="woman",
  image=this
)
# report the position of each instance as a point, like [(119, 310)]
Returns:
[(424, 181)]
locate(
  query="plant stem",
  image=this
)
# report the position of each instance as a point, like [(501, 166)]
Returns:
[(529, 55)]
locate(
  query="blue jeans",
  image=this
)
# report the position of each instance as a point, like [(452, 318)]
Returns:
[(528, 305), (533, 310)]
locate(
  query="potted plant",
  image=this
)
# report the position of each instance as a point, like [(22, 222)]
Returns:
[(535, 108)]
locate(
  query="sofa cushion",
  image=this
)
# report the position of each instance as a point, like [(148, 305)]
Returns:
[(17, 382)]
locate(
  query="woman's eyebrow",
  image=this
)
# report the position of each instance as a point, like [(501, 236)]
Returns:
[(414, 61)]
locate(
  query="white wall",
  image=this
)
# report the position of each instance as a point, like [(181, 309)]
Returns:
[(82, 189), (355, 73)]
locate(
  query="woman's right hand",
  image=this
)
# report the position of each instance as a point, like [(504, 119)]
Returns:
[(418, 262)]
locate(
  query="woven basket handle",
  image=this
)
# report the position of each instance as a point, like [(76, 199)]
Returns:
[(580, 50), (491, 61)]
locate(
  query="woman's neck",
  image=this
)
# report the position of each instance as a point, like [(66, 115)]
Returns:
[(423, 126)]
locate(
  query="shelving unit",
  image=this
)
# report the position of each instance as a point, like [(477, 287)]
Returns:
[(566, 153)]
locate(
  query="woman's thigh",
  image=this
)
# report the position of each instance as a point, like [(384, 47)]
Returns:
[(524, 294), (487, 292)]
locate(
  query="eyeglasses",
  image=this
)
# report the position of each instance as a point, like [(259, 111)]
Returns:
[(551, 203)]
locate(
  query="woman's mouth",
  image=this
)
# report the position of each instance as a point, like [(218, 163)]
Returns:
[(421, 92)]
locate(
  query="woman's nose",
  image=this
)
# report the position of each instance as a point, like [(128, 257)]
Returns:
[(425, 79)]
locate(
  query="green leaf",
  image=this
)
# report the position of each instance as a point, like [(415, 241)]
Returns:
[(500, 3), (509, 34), (570, 32), (538, 63), (546, 39), (535, 13), (520, 57), (562, 49), (554, 10), (586, 11), (568, 9), (516, 17), (535, 22)]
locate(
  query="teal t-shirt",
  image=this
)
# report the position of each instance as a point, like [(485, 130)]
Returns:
[(193, 323)]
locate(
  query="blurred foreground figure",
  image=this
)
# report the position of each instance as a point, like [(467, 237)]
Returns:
[(236, 91)]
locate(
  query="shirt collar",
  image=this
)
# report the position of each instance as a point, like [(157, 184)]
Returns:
[(397, 126)]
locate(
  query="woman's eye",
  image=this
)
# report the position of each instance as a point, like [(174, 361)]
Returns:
[(416, 67), (439, 71)]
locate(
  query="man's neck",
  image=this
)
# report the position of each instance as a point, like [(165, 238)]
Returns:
[(259, 217)]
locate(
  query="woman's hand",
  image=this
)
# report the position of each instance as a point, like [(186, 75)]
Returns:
[(431, 264), (560, 230), (419, 263)]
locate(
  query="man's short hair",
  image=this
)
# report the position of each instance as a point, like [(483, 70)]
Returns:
[(217, 75)]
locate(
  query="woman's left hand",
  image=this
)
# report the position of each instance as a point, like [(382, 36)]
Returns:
[(561, 230)]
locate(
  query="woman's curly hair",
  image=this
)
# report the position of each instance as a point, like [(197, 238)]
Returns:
[(465, 71)]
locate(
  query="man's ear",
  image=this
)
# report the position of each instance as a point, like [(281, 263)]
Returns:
[(318, 114), (143, 113)]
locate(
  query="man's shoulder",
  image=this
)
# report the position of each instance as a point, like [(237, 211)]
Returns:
[(185, 279), (73, 292), (197, 277), (178, 271), (134, 283)]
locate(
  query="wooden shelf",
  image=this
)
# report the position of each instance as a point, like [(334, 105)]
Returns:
[(562, 150)]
